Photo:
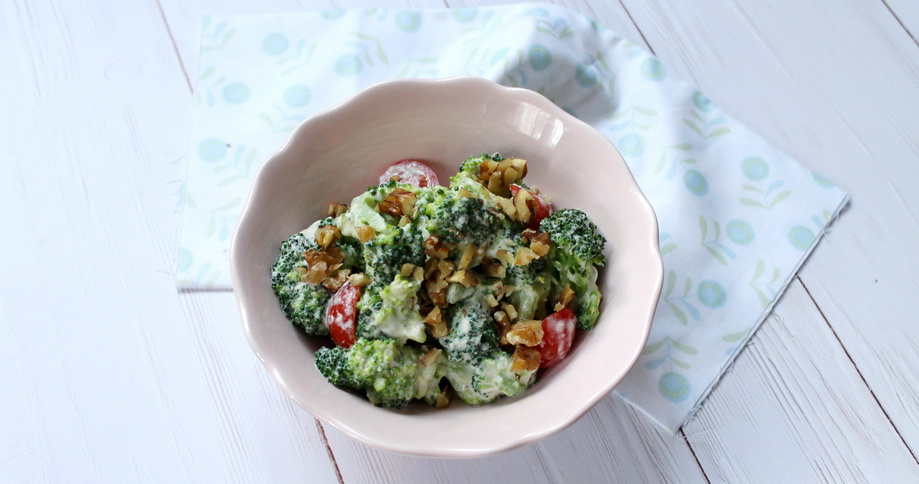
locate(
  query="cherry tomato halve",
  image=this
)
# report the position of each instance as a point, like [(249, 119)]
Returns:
[(541, 208), (413, 172), (341, 315), (558, 335)]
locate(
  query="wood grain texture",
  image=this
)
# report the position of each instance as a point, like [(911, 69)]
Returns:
[(841, 96), (794, 409), (611, 443), (108, 374)]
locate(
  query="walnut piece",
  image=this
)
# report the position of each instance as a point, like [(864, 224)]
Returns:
[(336, 209), (326, 235), (467, 256), (524, 256), (435, 319), (564, 298), (359, 279), (527, 332), (525, 359), (398, 203), (444, 398), (365, 233), (434, 248), (430, 357), (335, 281), (498, 176)]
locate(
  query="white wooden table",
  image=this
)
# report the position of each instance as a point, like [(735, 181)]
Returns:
[(108, 374)]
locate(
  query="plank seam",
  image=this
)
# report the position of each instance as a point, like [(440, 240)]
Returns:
[(897, 18), (694, 456), (175, 46), (858, 371), (328, 449), (642, 34)]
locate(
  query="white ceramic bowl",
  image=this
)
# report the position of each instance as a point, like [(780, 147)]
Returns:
[(336, 155)]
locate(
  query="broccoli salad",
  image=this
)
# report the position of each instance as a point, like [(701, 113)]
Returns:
[(431, 292)]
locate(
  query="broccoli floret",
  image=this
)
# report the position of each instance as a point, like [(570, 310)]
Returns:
[(385, 254), (472, 335), (577, 251), (391, 373), (333, 364), (353, 251), (487, 380), (304, 304), (393, 312), (467, 219), (572, 231)]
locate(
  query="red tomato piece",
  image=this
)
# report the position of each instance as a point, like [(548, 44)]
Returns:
[(558, 335), (541, 210), (341, 315), (413, 172)]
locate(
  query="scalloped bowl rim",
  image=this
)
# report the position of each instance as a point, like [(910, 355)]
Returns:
[(403, 436)]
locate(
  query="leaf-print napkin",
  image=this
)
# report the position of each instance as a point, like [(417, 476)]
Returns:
[(737, 216)]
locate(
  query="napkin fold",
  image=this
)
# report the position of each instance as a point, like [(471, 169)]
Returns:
[(737, 215)]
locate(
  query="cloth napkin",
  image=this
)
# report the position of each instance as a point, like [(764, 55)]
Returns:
[(737, 215)]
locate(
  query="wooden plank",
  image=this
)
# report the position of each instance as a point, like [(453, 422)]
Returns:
[(841, 96), (793, 409), (611, 442), (907, 14), (109, 374)]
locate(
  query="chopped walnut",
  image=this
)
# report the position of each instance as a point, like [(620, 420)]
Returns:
[(358, 279), (492, 268), (334, 282), (503, 324), (491, 301), (499, 175), (445, 267), (331, 257), (437, 292), (527, 332), (407, 269), (507, 206), (464, 277), (435, 319), (336, 209), (398, 203), (524, 256), (510, 310), (525, 359), (404, 221), (430, 357), (506, 257), (365, 233), (467, 256), (444, 398), (316, 273), (565, 298), (326, 235), (434, 249), (523, 204), (539, 248)]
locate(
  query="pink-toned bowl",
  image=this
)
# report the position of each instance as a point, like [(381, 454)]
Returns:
[(336, 155)]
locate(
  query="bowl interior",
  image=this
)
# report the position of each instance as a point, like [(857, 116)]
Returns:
[(335, 156)]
